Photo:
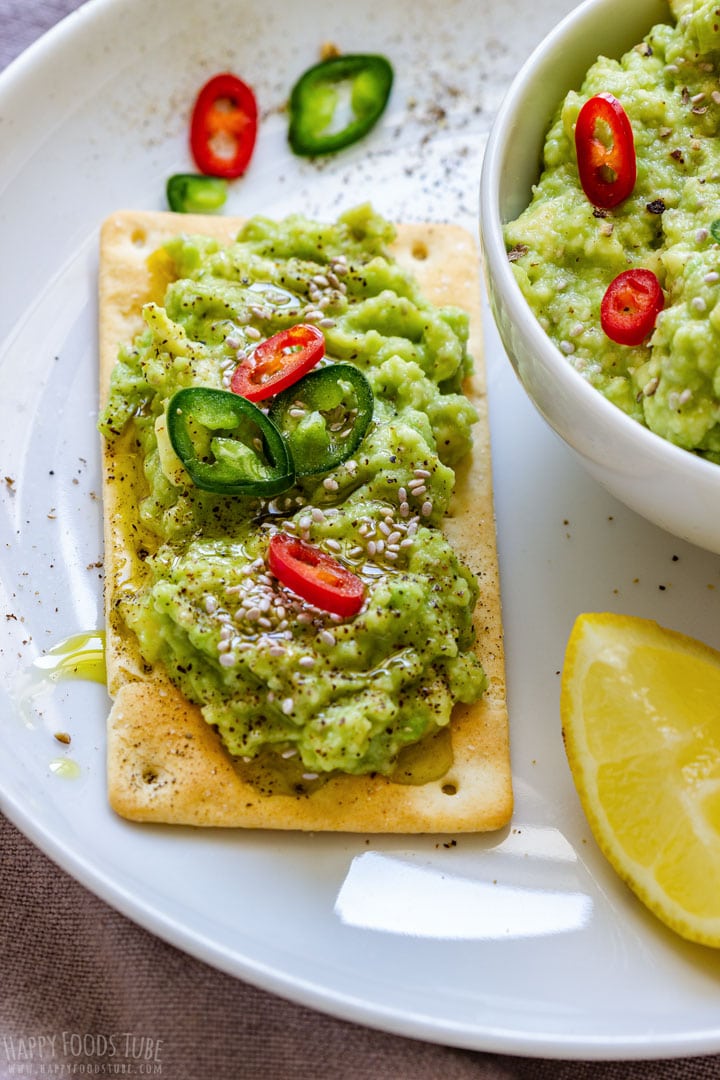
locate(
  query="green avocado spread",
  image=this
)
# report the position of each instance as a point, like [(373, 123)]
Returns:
[(274, 675), (565, 252)]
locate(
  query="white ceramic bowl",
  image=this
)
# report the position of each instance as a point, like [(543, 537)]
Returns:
[(671, 487)]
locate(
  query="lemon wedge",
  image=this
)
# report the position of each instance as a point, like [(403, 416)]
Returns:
[(640, 710)]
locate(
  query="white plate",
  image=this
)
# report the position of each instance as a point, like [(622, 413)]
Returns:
[(523, 942)]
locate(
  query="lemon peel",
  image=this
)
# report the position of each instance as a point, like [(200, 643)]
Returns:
[(640, 712)]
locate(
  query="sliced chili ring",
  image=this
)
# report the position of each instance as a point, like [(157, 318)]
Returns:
[(278, 362), (630, 306), (605, 151), (223, 127), (324, 417), (226, 444), (315, 576), (315, 100)]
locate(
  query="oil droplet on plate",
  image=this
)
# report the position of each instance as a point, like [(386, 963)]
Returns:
[(81, 656), (65, 768)]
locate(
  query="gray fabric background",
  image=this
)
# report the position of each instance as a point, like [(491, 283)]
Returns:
[(74, 972)]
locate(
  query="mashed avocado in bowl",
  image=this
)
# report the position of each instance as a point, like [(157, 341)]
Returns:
[(642, 415), (566, 251)]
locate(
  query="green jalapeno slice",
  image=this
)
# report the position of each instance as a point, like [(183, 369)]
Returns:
[(226, 444), (318, 97), (188, 193), (323, 417)]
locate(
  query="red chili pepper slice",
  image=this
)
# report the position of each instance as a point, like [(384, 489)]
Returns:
[(278, 362), (630, 306), (223, 128), (605, 151), (315, 576)]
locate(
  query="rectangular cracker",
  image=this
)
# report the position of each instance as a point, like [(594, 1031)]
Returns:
[(164, 762)]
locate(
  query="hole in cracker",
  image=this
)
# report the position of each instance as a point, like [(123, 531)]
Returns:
[(139, 237), (419, 250), (150, 776), (449, 789)]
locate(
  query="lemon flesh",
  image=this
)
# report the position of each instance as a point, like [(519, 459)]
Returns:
[(640, 710)]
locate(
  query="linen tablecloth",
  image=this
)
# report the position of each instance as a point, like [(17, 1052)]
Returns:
[(75, 973)]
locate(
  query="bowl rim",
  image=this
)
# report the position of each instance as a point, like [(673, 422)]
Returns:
[(498, 266)]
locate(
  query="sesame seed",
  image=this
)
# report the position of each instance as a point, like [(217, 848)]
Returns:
[(211, 604), (330, 484), (289, 753), (287, 706), (306, 661), (394, 537), (277, 650), (700, 235), (426, 509), (334, 545), (317, 514), (424, 474), (227, 659), (698, 303), (711, 277), (310, 775), (371, 547), (223, 645), (404, 509), (392, 555), (567, 347), (327, 323), (253, 332), (327, 637)]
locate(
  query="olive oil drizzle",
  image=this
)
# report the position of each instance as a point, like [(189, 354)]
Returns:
[(81, 656), (274, 774)]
